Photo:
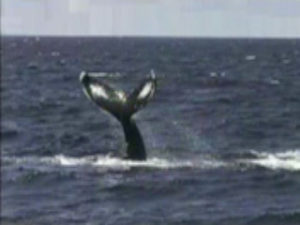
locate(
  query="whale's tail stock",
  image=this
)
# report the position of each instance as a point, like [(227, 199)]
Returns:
[(122, 107)]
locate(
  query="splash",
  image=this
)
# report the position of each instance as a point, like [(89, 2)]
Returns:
[(112, 162), (108, 162), (289, 160)]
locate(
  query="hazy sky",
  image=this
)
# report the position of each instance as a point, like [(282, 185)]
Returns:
[(217, 18)]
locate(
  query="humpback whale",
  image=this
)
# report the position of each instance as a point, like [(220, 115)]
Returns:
[(122, 107)]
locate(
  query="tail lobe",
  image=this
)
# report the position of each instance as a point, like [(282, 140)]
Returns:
[(117, 102)]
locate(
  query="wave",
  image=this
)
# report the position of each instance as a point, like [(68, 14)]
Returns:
[(289, 160)]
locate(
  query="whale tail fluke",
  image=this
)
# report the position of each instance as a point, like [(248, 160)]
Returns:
[(140, 96), (122, 107), (116, 102)]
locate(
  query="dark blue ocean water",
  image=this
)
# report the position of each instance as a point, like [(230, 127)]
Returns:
[(222, 132)]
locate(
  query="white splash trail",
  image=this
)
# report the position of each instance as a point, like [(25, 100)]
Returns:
[(109, 162), (112, 162), (289, 160)]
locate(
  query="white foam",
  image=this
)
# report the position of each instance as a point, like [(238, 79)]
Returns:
[(250, 57), (274, 82), (108, 162), (289, 160), (113, 162)]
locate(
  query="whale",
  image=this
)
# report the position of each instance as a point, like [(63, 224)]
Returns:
[(122, 106)]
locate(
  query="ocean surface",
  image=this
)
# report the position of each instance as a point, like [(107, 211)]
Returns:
[(222, 133)]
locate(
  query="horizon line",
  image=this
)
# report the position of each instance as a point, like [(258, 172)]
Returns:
[(148, 36)]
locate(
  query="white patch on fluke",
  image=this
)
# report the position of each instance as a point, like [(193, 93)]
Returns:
[(121, 95), (98, 91), (145, 91)]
